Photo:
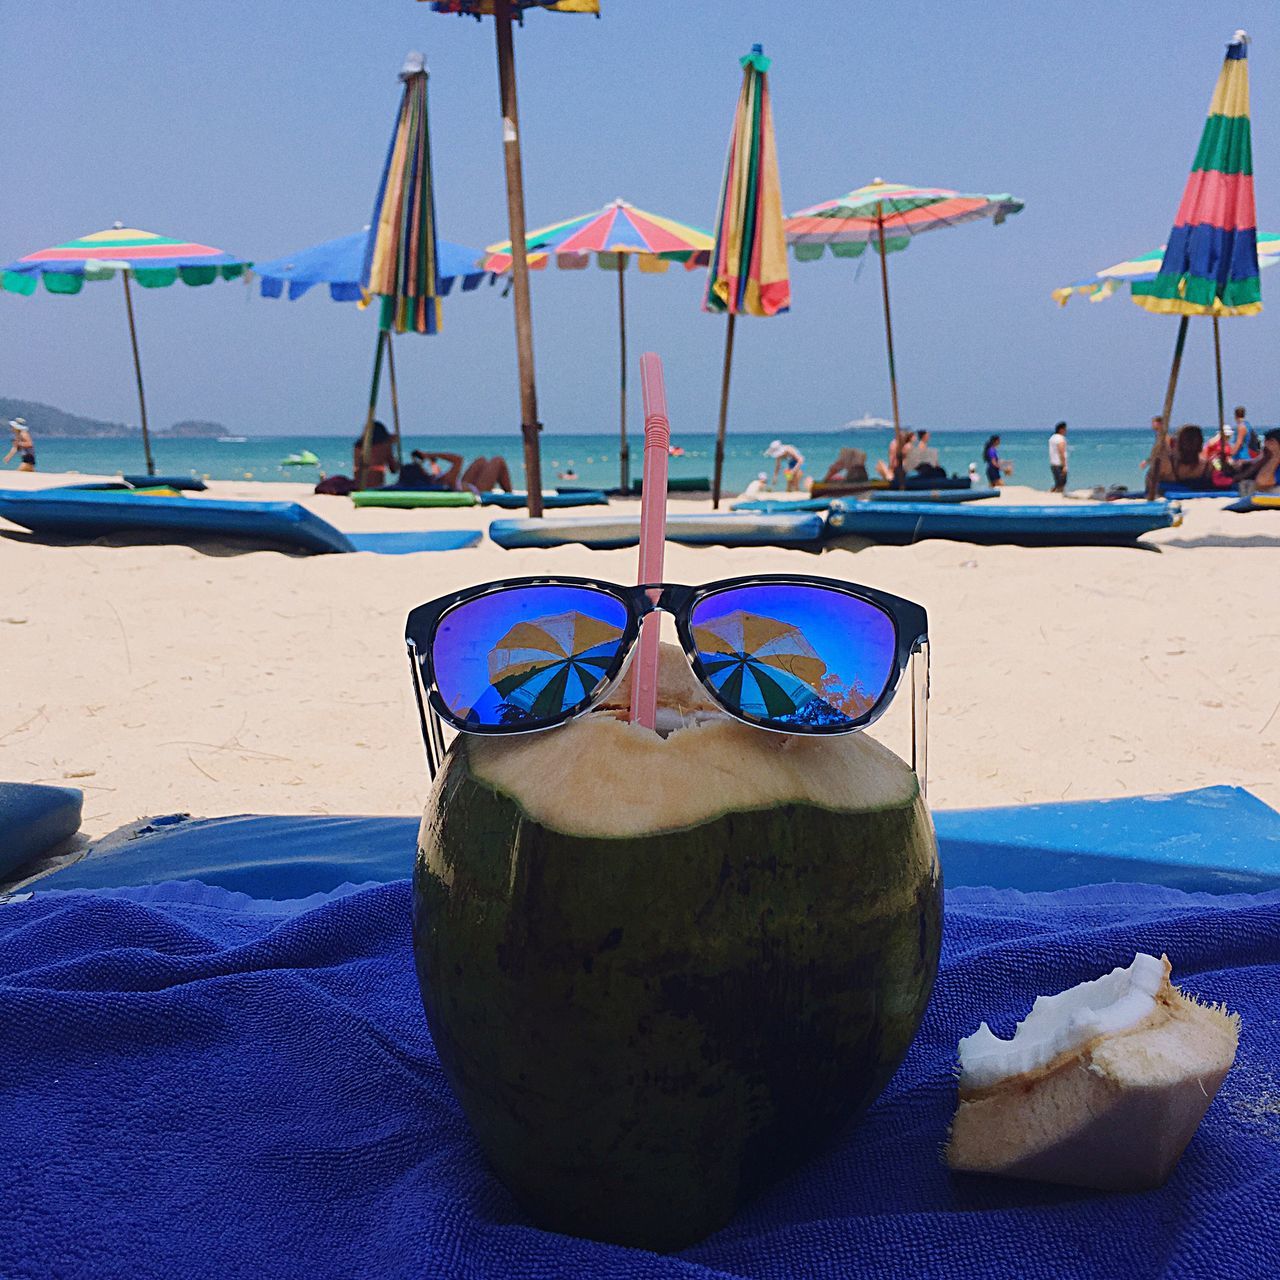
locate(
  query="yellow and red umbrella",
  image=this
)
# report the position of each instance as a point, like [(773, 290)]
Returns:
[(504, 13), (748, 274), (615, 234)]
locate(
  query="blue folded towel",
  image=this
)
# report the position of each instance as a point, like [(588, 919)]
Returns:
[(200, 1084)]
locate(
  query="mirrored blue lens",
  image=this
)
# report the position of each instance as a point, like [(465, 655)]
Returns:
[(794, 657), (526, 656)]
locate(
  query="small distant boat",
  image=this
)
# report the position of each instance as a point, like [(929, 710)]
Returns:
[(231, 439), (303, 458)]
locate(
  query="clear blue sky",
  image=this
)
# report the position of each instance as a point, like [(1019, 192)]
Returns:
[(260, 127)]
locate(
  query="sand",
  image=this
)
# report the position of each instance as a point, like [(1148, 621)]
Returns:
[(213, 681)]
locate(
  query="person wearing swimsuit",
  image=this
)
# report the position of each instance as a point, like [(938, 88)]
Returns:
[(22, 445)]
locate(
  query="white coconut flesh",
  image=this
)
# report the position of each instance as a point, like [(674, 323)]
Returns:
[(601, 776), (1125, 1019)]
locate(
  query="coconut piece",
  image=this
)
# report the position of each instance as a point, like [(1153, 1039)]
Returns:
[(610, 778), (1101, 1086)]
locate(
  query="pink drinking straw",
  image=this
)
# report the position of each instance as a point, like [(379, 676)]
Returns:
[(653, 535)]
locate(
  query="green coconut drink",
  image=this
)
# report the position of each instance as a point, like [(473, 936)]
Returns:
[(660, 972)]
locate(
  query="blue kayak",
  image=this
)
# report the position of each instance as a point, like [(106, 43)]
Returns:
[(731, 529), (95, 513), (1066, 524), (514, 501), (927, 495), (79, 513), (772, 506)]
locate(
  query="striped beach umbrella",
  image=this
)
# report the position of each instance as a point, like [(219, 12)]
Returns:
[(401, 257), (401, 254), (748, 274), (504, 14), (888, 215), (154, 261), (614, 234), (1210, 265)]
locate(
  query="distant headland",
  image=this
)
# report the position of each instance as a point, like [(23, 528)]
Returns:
[(51, 423)]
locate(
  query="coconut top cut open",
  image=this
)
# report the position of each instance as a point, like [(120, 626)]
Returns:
[(601, 776)]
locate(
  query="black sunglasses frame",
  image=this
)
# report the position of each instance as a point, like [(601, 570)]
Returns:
[(909, 620)]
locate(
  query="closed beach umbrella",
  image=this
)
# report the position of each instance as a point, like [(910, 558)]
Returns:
[(1210, 265), (339, 265), (748, 274), (615, 234), (154, 261), (401, 260), (888, 215), (504, 13)]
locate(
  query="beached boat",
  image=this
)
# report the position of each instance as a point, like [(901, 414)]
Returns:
[(1065, 524), (728, 529)]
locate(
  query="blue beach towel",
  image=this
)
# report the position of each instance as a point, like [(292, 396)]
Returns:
[(200, 1084)]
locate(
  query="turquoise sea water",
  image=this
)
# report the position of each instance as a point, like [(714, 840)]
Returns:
[(1097, 457)]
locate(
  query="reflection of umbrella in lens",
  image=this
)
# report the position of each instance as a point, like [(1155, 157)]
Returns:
[(543, 666), (763, 666)]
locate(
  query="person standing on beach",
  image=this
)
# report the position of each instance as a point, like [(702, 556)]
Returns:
[(1058, 457), (991, 457), (22, 445), (1157, 426), (1247, 446)]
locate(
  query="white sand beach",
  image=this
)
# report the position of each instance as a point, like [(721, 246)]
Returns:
[(213, 681)]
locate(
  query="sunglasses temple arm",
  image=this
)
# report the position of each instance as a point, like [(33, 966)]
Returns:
[(920, 714), (426, 720)]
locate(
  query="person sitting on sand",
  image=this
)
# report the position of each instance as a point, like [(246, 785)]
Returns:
[(1263, 469), (758, 487), (485, 474), (22, 445), (788, 460), (382, 458), (1218, 453), (887, 470), (1185, 465), (850, 467), (423, 471), (922, 459)]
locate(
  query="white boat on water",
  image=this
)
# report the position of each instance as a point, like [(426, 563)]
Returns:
[(864, 423), (231, 439)]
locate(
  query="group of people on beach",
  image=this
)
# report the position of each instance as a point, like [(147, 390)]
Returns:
[(1224, 461), (427, 469)]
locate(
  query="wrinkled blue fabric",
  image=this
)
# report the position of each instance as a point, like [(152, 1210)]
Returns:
[(199, 1084)]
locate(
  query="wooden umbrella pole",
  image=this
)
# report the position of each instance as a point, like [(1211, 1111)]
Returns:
[(366, 440), (137, 370), (529, 424), (1222, 412), (395, 398), (1157, 449), (724, 413), (624, 450), (899, 469)]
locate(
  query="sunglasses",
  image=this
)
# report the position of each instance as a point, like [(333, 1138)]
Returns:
[(790, 654)]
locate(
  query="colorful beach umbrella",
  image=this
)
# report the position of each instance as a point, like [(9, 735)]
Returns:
[(748, 274), (1144, 268), (887, 216), (154, 261), (614, 234), (504, 13), (544, 665), (401, 262), (1210, 265)]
